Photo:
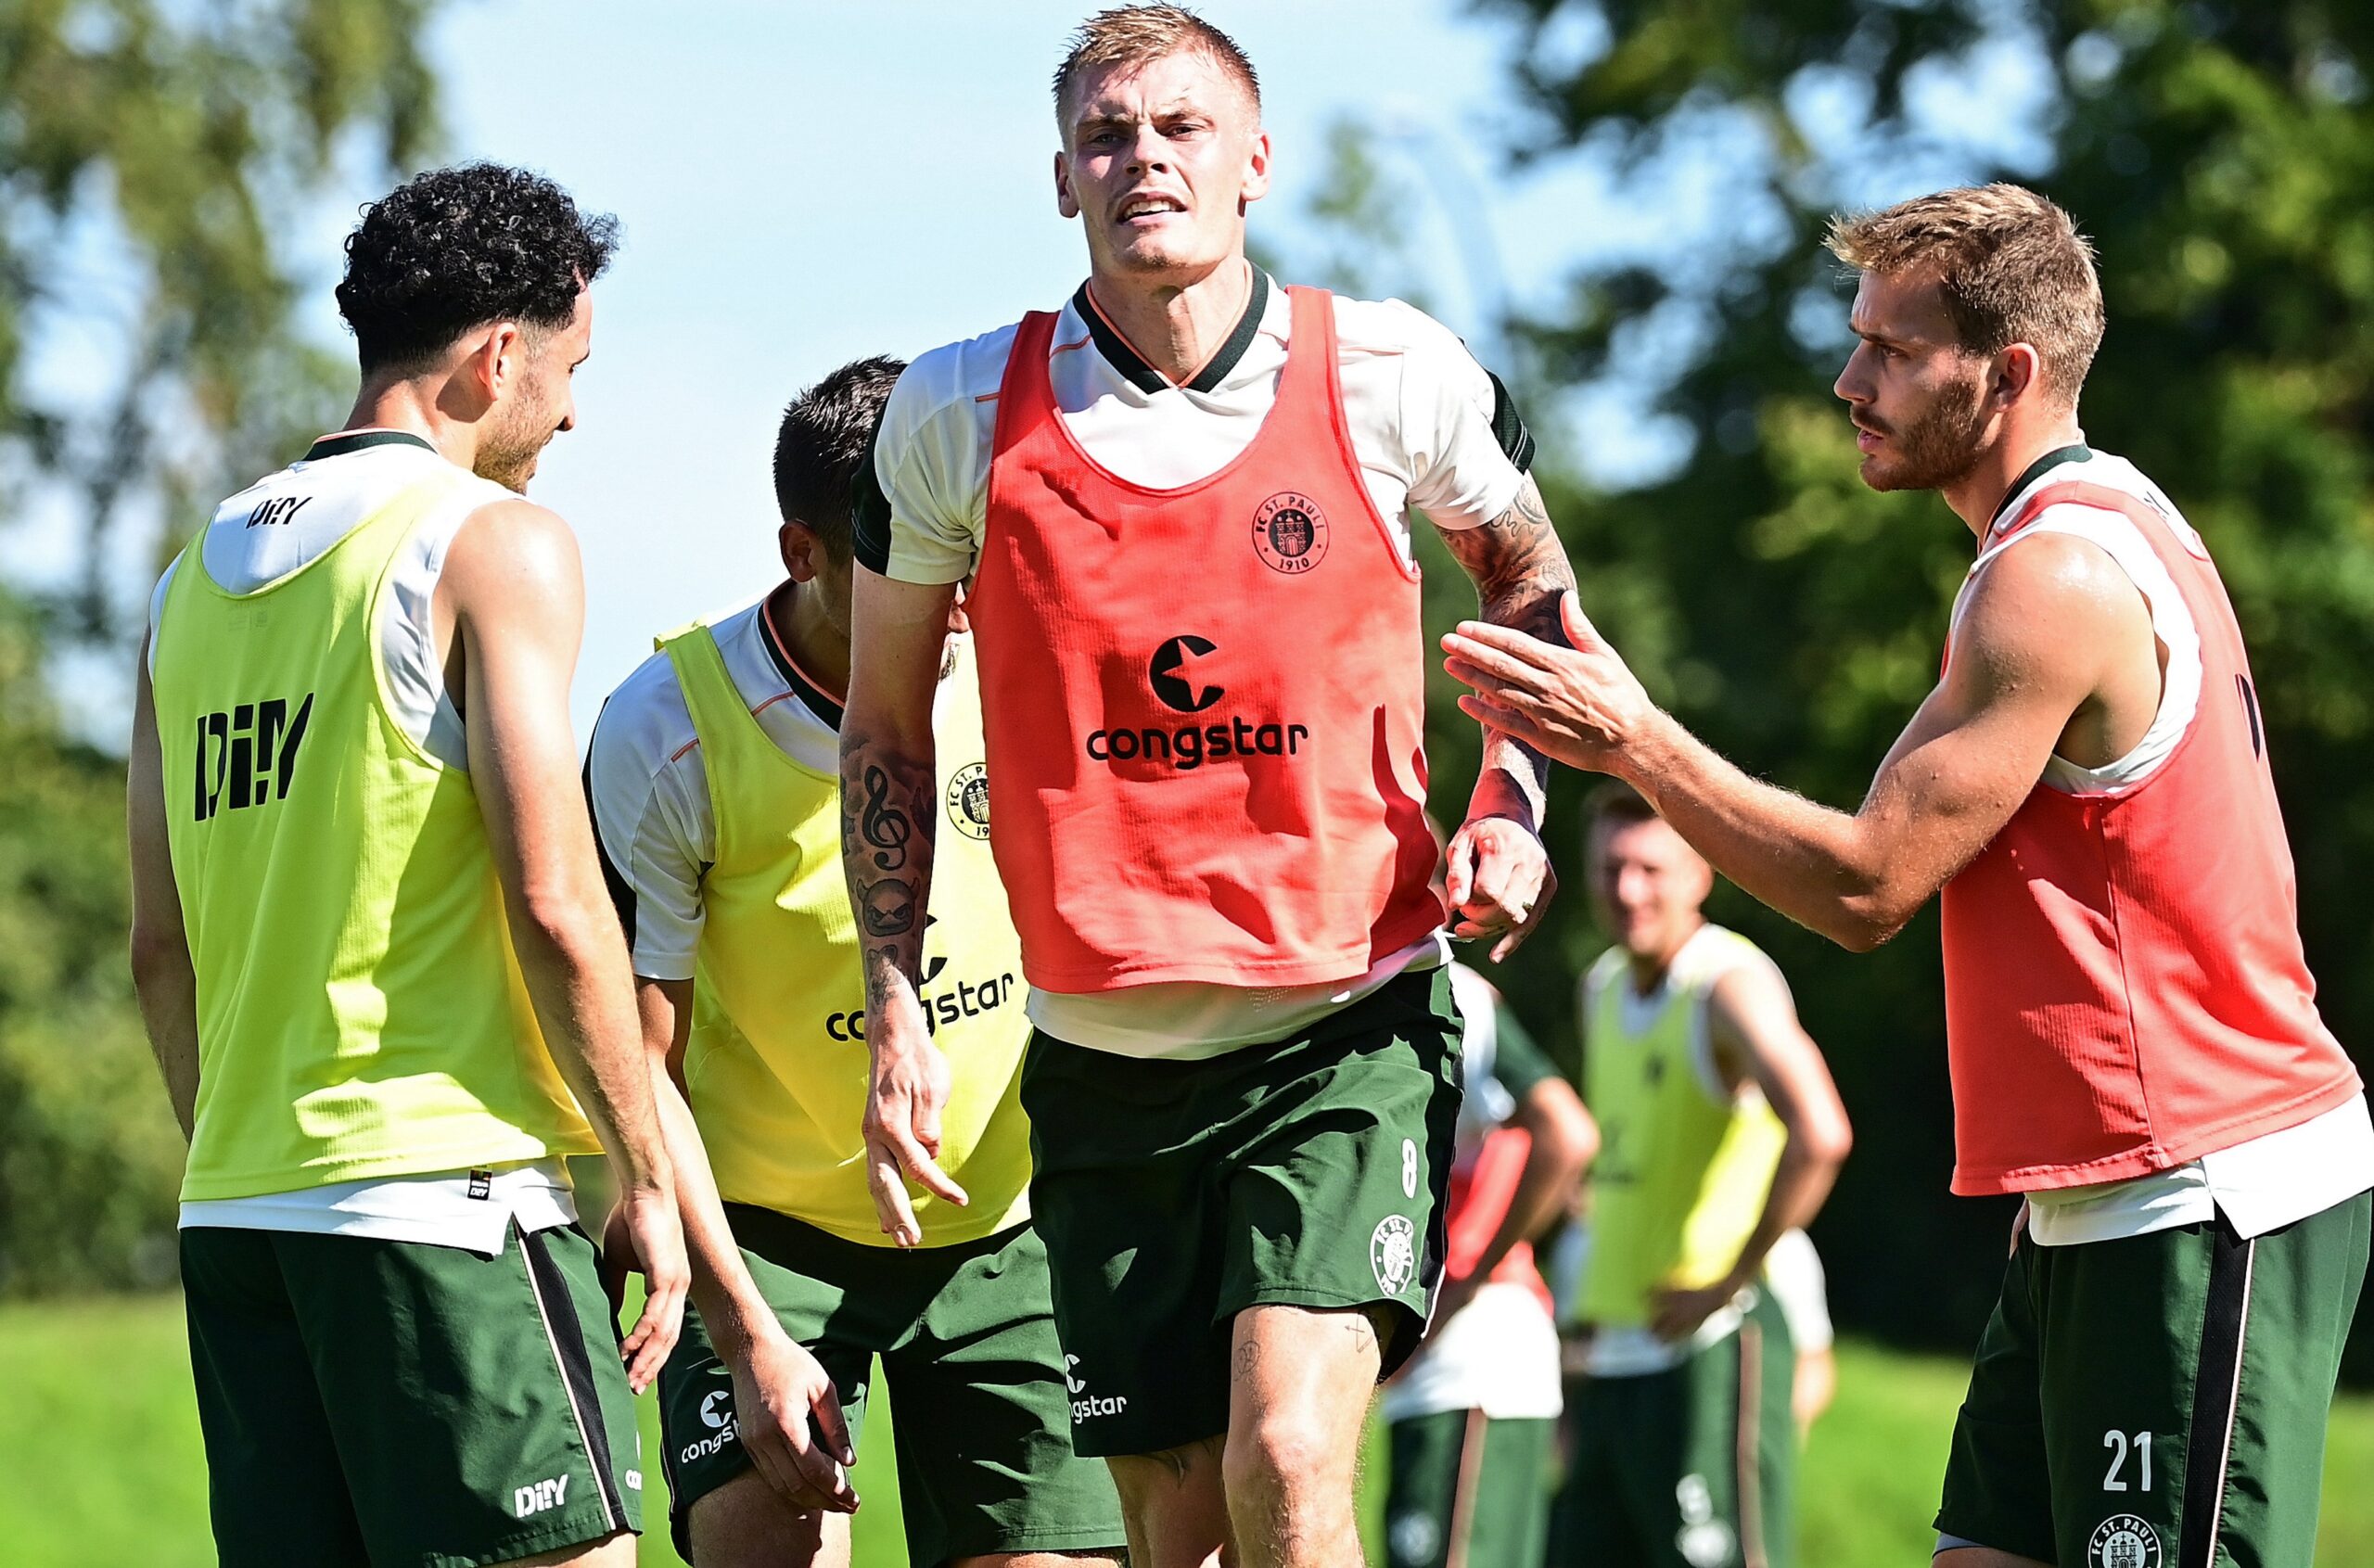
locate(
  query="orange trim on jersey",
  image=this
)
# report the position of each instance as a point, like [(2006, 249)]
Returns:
[(783, 650), (685, 751)]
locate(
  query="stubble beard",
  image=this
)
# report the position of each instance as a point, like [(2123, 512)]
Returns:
[(1937, 449), (507, 454)]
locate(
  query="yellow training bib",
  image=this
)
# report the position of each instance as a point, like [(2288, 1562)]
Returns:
[(777, 1060), (1684, 1167), (360, 1010)]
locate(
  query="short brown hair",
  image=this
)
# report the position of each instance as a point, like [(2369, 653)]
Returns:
[(2011, 265), (1136, 35), (1617, 804)]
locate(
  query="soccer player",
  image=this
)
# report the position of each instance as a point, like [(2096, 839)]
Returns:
[(1188, 497), (716, 796), (1720, 1131), (2131, 1027), (372, 947), (1472, 1416)]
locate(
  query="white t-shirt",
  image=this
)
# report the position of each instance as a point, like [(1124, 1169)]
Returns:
[(1431, 430), (280, 523)]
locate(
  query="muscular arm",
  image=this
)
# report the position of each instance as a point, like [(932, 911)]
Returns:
[(888, 757), (2048, 627), (1754, 1029), (1521, 572), (1495, 881), (162, 974), (515, 590), (778, 1387)]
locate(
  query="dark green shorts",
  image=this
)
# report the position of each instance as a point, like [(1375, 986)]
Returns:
[(2158, 1401), (967, 1342), (401, 1404), (1175, 1194), (1693, 1467), (1467, 1490)]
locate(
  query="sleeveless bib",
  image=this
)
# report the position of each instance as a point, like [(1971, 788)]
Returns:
[(1205, 712), (2125, 987), (777, 1062), (360, 1010)]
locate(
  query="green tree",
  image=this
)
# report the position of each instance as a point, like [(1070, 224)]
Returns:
[(2222, 155), (152, 155)]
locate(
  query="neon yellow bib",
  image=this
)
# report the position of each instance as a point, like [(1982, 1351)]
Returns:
[(1683, 1169), (360, 1011), (776, 1063)]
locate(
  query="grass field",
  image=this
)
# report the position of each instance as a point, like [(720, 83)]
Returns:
[(101, 1438)]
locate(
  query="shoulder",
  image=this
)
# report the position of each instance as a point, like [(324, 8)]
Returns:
[(1716, 952), (1603, 970), (509, 543), (954, 375), (2045, 599), (644, 724), (1394, 326)]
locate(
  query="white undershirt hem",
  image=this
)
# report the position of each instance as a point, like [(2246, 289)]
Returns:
[(473, 1210)]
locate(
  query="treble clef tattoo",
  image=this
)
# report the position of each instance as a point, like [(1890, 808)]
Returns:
[(885, 826)]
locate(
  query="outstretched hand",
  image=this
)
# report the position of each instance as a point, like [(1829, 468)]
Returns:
[(1580, 704)]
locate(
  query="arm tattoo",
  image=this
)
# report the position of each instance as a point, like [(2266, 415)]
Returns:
[(887, 854), (1520, 571)]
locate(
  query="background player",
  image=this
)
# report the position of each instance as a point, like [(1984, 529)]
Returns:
[(1188, 496), (1473, 1416), (364, 915), (716, 793), (1720, 1130), (2130, 1023)]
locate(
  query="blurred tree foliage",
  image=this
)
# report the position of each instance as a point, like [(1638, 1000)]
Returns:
[(152, 155), (2222, 155)]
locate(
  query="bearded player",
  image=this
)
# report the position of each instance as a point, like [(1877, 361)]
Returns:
[(2131, 1026), (1187, 499)]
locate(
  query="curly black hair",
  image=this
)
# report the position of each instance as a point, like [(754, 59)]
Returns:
[(826, 447), (455, 248)]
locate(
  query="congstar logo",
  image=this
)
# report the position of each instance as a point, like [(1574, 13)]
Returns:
[(1184, 674)]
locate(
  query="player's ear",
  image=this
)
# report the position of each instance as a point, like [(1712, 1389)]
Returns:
[(2017, 369), (1066, 203), (803, 551), (1256, 169)]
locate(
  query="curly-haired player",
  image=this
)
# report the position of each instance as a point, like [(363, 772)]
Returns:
[(373, 946)]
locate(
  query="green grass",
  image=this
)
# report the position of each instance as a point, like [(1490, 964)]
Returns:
[(102, 1446)]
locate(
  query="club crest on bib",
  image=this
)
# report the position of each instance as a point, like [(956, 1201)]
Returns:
[(2124, 1541), (1393, 1253), (1290, 533), (968, 800)]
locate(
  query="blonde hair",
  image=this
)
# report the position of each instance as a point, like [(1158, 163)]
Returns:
[(1137, 35), (2011, 265)]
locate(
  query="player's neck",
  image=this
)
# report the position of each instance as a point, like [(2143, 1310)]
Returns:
[(1649, 969), (1176, 327), (1976, 496), (816, 647), (411, 406)]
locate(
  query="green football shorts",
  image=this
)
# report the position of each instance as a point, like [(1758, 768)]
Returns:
[(1466, 1489), (393, 1402), (1693, 1467), (2158, 1401), (1173, 1195), (967, 1342)]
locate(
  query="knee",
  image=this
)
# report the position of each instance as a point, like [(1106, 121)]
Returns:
[(1283, 1453)]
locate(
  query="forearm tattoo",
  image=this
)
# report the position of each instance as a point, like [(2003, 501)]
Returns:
[(886, 853), (1521, 571)]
